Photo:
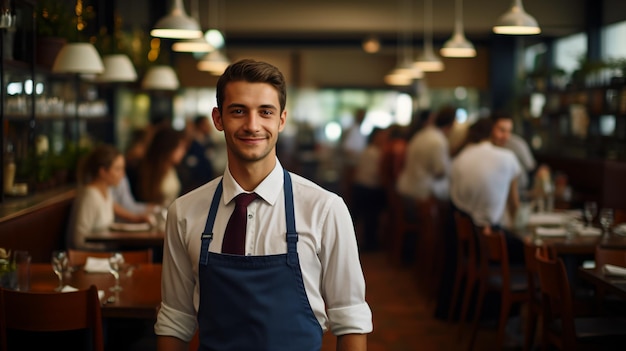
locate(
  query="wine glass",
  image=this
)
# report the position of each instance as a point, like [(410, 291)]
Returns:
[(115, 264), (60, 263), (606, 219), (589, 211)]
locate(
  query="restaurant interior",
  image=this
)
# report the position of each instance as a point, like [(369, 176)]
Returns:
[(75, 74)]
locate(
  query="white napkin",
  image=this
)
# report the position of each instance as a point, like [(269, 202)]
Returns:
[(545, 231), (69, 288), (609, 269), (97, 265), (589, 231), (547, 218)]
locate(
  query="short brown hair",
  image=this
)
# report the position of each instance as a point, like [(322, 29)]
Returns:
[(252, 71)]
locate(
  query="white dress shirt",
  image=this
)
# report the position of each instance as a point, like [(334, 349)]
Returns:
[(91, 212), (480, 181), (327, 249), (427, 166)]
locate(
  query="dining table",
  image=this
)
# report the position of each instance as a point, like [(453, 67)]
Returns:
[(596, 276), (140, 296), (551, 229), (128, 238)]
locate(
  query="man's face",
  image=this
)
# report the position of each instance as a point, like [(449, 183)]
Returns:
[(251, 121), (501, 131)]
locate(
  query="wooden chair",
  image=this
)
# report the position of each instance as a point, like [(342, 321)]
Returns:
[(466, 267), (429, 250), (50, 312), (79, 257), (495, 274), (534, 294), (560, 326), (604, 256)]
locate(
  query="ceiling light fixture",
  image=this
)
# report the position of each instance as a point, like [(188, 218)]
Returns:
[(371, 44), (177, 24), (458, 45), (516, 21), (160, 77), (195, 45), (81, 58), (428, 61), (214, 62), (117, 68), (405, 72)]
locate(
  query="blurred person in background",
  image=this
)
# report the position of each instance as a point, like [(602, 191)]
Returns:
[(93, 208), (123, 196), (368, 193), (502, 135), (157, 179), (427, 163), (197, 165)]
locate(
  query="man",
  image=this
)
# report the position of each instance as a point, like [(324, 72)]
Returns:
[(483, 180), (197, 166), (427, 163), (286, 285), (502, 135)]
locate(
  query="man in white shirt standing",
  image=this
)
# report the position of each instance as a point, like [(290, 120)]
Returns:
[(294, 274), (427, 164)]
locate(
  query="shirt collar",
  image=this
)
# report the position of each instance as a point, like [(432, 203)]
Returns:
[(266, 189)]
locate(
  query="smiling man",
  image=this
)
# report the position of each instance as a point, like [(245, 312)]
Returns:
[(291, 272)]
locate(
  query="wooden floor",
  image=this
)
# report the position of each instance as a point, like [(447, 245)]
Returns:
[(403, 318)]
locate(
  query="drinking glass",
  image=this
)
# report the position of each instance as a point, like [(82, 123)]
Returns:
[(590, 210), (115, 264), (606, 219), (60, 263)]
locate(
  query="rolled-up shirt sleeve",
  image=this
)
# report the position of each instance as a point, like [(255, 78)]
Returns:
[(177, 314), (343, 283)]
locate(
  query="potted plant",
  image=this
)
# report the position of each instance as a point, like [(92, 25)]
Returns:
[(59, 22)]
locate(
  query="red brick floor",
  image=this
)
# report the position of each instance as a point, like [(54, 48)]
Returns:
[(402, 316)]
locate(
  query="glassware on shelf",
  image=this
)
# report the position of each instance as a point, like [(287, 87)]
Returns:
[(590, 210)]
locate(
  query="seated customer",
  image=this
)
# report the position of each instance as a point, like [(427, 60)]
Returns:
[(92, 211), (483, 181)]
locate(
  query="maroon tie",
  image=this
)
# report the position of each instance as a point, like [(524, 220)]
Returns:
[(235, 234)]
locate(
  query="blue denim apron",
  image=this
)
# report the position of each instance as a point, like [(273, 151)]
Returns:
[(255, 302)]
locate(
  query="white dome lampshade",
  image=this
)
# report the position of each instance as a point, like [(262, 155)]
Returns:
[(160, 77), (458, 45), (214, 62), (81, 58), (177, 24), (516, 21), (117, 68)]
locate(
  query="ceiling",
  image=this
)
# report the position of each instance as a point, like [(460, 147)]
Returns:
[(328, 22)]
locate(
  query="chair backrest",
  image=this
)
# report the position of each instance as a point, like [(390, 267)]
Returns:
[(615, 257), (492, 249), (556, 298), (530, 262), (466, 239), (51, 312), (79, 257)]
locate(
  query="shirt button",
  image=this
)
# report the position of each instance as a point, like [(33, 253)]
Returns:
[(250, 216)]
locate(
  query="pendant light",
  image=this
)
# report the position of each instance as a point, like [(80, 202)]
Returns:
[(199, 45), (458, 45), (177, 24), (214, 62), (516, 21), (117, 69), (405, 72), (428, 61), (160, 77), (80, 58)]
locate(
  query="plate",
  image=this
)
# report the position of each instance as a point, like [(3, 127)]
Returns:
[(130, 227), (551, 231)]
